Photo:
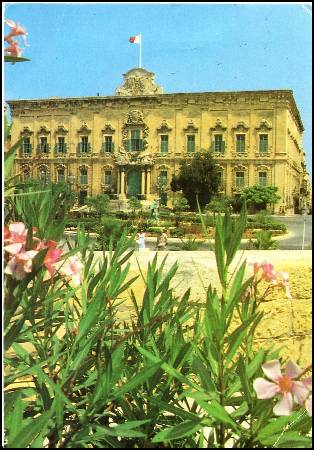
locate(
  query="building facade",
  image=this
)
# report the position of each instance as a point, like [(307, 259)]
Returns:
[(132, 143)]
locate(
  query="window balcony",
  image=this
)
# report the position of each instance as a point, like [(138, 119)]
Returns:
[(107, 147), (61, 149), (43, 149), (134, 145), (84, 148), (26, 150)]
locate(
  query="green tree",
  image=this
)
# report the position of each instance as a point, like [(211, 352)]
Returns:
[(181, 204), (134, 204), (99, 204), (198, 178), (258, 197), (218, 205)]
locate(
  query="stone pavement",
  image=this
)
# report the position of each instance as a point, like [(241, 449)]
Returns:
[(287, 323)]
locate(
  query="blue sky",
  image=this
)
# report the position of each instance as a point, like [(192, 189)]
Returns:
[(81, 49)]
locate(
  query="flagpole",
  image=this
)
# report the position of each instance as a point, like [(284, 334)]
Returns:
[(140, 50)]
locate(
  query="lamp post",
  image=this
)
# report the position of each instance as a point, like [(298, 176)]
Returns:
[(304, 213)]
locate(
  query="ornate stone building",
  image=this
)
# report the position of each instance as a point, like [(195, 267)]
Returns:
[(132, 143)]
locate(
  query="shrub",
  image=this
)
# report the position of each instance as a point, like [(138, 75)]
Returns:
[(190, 243), (263, 241), (109, 232)]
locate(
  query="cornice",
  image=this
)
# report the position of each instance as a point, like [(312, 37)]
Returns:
[(279, 98)]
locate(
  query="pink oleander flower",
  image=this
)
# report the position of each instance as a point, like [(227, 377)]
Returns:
[(286, 385), (282, 280), (15, 237), (52, 257), (72, 268), (308, 405), (20, 264), (17, 30), (14, 49)]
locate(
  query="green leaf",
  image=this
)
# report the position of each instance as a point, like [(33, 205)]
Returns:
[(186, 428), (14, 59), (28, 433), (219, 251), (143, 376), (237, 235)]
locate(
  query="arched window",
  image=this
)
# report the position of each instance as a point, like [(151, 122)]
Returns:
[(60, 175)]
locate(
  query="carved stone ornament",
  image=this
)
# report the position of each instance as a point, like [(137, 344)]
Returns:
[(43, 130), (264, 126), (84, 129), (61, 130), (134, 119), (123, 158), (241, 126), (218, 126), (139, 82), (108, 129), (26, 132), (191, 128), (164, 127)]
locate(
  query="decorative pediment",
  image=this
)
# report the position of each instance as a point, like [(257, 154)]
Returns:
[(134, 117), (107, 167), (43, 130), (61, 166), (264, 126), (84, 129), (191, 128), (139, 82), (83, 166), (241, 127), (61, 130), (26, 132), (218, 126), (164, 127), (43, 168), (108, 129), (239, 167)]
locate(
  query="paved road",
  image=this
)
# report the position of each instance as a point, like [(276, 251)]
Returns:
[(295, 226)]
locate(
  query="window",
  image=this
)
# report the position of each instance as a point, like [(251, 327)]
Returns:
[(60, 175), (83, 176), (240, 143), (61, 146), (26, 146), (84, 144), (263, 143), (107, 177), (26, 174), (262, 178), (163, 177), (191, 143), (239, 179), (43, 174), (218, 143), (136, 141), (219, 180), (164, 143), (43, 146), (108, 144)]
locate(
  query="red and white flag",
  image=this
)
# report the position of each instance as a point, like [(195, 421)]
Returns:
[(136, 39)]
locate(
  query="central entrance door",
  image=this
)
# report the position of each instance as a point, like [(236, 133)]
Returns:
[(133, 183)]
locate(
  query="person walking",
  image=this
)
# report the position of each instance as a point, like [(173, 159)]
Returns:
[(162, 240), (141, 240)]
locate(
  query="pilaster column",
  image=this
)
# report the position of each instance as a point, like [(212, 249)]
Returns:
[(123, 182), (148, 181), (143, 182), (118, 181)]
